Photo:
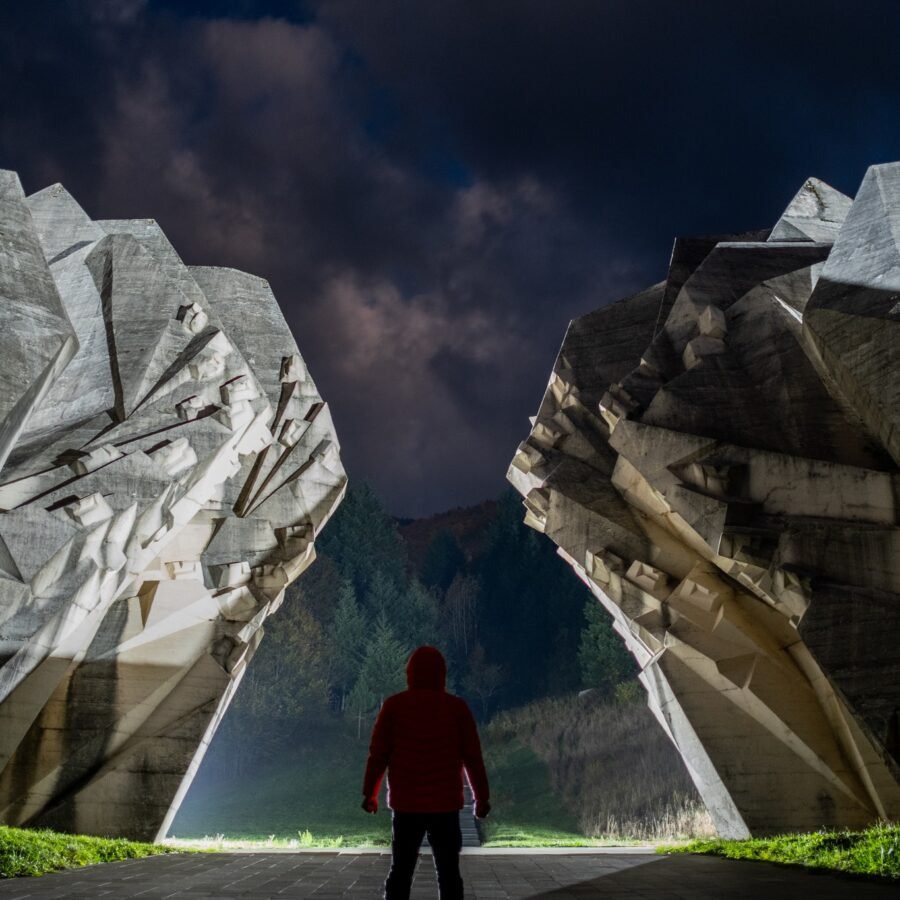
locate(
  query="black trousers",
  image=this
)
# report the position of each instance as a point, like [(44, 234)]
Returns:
[(407, 831)]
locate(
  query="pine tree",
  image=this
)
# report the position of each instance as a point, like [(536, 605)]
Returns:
[(417, 622), (529, 597), (347, 640), (483, 679), (384, 596), (316, 591), (602, 658), (362, 704), (362, 539), (444, 560), (383, 668), (287, 676)]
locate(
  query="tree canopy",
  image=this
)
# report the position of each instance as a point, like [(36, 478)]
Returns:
[(513, 622)]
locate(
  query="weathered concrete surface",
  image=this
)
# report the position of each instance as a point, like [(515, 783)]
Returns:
[(165, 465), (530, 874), (717, 458)]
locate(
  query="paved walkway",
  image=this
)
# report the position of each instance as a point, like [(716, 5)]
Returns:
[(357, 876)]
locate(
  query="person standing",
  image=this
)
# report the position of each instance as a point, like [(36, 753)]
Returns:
[(424, 738)]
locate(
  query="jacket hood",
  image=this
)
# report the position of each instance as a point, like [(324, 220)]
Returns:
[(426, 669)]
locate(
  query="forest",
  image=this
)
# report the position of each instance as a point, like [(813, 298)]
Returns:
[(512, 621), (521, 634)]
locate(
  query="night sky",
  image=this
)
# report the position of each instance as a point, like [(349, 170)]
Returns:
[(435, 188)]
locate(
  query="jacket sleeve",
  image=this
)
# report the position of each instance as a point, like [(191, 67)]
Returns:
[(471, 754), (379, 753)]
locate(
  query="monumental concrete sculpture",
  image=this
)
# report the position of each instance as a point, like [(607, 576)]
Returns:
[(165, 465), (717, 458)]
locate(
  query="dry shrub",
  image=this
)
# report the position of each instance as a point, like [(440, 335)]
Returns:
[(612, 765)]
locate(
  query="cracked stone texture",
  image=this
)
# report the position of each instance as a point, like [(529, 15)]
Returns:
[(166, 463), (717, 458)]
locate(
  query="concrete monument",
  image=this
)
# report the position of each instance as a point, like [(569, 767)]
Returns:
[(717, 458), (166, 463)]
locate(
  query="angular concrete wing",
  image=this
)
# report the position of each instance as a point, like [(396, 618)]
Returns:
[(717, 458), (166, 463)]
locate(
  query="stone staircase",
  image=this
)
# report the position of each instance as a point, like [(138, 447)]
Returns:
[(467, 824), (471, 836)]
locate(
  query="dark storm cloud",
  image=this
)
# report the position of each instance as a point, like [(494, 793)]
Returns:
[(648, 113), (435, 188)]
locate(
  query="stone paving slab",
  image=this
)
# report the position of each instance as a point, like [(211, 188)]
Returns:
[(355, 876)]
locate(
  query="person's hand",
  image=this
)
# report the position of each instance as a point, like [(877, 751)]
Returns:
[(370, 804), (482, 810)]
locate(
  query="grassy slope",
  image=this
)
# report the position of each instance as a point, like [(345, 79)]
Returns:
[(316, 789), (610, 765), (27, 852), (527, 811), (873, 852), (564, 771)]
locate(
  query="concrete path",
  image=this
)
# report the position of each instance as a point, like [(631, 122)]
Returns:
[(354, 876)]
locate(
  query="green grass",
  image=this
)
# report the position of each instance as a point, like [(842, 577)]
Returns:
[(501, 835), (310, 794), (873, 852), (310, 798), (301, 841), (527, 811), (27, 852)]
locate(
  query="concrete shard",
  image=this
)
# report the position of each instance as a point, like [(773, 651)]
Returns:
[(37, 339), (853, 315), (137, 402), (717, 458), (815, 214), (143, 339), (62, 225)]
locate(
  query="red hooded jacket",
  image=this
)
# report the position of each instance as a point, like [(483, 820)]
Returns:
[(424, 737)]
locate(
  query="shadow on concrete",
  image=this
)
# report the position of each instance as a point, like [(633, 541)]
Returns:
[(712, 878)]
